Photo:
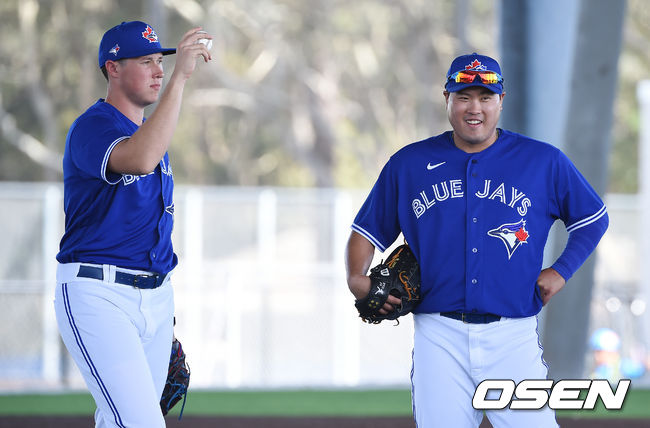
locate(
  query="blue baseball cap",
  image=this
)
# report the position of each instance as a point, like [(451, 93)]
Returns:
[(474, 63), (130, 40)]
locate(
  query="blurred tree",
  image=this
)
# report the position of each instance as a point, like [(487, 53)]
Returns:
[(49, 75), (320, 93), (300, 92), (634, 66)]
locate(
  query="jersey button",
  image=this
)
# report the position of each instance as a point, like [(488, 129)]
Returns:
[(474, 250), (474, 161), (474, 219), (474, 281)]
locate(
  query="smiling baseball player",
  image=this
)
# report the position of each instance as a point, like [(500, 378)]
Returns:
[(475, 205), (114, 301)]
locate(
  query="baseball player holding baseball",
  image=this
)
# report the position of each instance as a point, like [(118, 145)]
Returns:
[(476, 205), (114, 301)]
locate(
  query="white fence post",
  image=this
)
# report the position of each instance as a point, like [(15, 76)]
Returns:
[(346, 343), (192, 266), (267, 212), (51, 367)]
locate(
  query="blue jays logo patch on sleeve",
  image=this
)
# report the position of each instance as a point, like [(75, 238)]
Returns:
[(512, 235)]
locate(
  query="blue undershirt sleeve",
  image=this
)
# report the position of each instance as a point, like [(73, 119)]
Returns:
[(581, 243)]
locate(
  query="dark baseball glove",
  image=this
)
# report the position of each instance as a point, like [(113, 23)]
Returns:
[(399, 276), (178, 379)]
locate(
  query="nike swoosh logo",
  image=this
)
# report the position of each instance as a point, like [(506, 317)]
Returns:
[(430, 167)]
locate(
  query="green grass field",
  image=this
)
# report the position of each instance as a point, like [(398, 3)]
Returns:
[(396, 402)]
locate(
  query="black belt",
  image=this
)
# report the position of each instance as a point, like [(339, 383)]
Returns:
[(471, 318), (139, 281)]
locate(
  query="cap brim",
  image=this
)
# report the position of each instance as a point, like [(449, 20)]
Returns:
[(168, 51), (497, 88)]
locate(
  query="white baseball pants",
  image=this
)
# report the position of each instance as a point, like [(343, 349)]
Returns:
[(120, 338), (450, 358)]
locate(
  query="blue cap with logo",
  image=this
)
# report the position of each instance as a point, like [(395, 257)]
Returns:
[(130, 40), (474, 70)]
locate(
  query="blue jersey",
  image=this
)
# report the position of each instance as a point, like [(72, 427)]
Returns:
[(478, 222), (119, 219)]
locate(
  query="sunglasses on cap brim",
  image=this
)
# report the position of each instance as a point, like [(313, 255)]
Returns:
[(469, 76)]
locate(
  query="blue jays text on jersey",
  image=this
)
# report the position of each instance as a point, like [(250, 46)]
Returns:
[(478, 222), (118, 219)]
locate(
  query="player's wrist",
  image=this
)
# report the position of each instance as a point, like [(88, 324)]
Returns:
[(359, 285), (177, 79), (561, 270)]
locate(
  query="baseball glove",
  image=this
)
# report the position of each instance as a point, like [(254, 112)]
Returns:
[(178, 379), (399, 276)]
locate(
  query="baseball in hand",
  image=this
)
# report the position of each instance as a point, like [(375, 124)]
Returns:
[(206, 42)]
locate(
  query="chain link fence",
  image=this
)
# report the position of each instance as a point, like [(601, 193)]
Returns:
[(261, 298)]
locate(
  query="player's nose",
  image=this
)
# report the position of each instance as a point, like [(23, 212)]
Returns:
[(158, 71), (474, 105)]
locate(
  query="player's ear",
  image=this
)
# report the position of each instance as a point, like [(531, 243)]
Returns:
[(446, 94), (112, 68), (501, 95)]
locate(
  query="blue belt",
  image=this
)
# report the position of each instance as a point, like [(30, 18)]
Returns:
[(153, 280), (471, 318)]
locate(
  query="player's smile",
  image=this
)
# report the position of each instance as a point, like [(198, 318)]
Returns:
[(473, 113)]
